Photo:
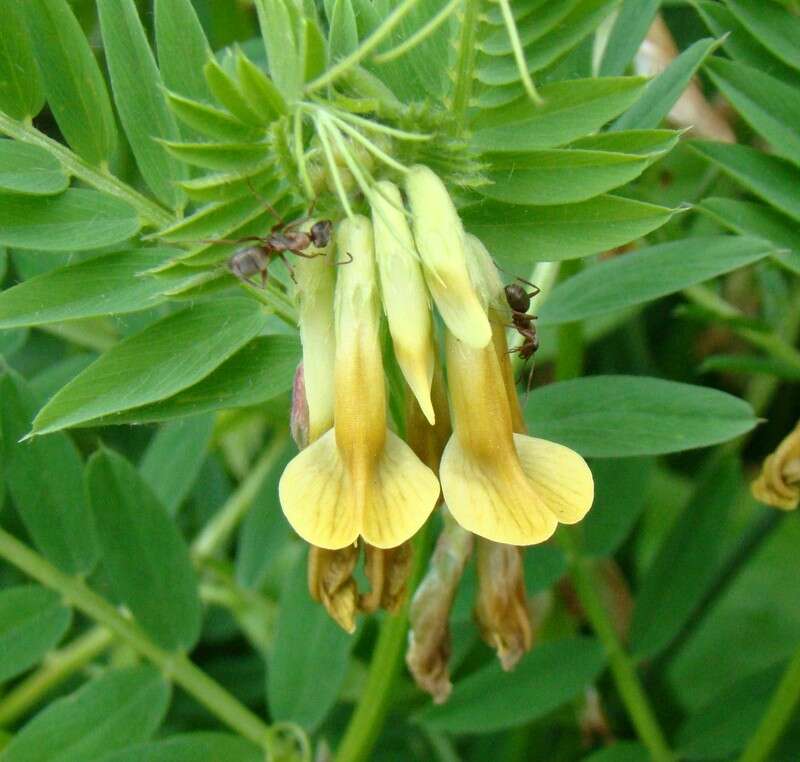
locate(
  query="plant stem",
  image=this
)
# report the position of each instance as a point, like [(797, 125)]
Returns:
[(467, 47), (569, 361), (57, 667), (175, 667), (369, 716), (217, 531), (150, 212), (780, 711), (620, 662), (61, 664)]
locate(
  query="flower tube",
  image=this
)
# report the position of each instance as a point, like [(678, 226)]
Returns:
[(359, 478)]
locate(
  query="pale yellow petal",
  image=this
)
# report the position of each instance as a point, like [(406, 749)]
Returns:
[(404, 492), (405, 296), (559, 475), (493, 499), (315, 499), (441, 243)]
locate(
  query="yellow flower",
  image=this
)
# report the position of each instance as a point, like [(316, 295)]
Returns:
[(504, 486), (405, 296), (441, 242), (359, 478)]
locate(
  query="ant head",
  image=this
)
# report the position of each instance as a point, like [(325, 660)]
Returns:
[(321, 233), (517, 297)]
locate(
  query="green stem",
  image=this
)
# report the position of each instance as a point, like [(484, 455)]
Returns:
[(176, 667), (217, 531), (370, 714), (780, 711), (465, 65), (57, 667), (622, 666), (150, 212)]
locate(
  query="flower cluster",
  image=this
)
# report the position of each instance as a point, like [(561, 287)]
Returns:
[(356, 479)]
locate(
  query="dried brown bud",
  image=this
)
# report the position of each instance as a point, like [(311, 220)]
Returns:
[(502, 607), (778, 484), (429, 635), (387, 572), (330, 581)]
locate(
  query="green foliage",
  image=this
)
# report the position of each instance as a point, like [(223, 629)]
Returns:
[(145, 392)]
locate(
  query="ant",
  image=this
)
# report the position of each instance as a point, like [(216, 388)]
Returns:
[(519, 300), (283, 237)]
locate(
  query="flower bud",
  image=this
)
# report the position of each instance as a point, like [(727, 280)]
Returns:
[(778, 484), (429, 632), (315, 283), (440, 240), (330, 581), (405, 296), (502, 609)]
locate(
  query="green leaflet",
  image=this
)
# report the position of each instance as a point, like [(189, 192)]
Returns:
[(75, 220), (111, 284), (684, 566), (620, 497), (121, 707), (210, 121), (570, 111), (343, 35), (740, 43), (283, 50), (558, 176), (26, 168), (649, 416), (771, 178), (45, 479), (531, 28), (770, 106), (583, 19), (182, 48), (629, 29), (190, 747), (75, 88), (174, 457), (21, 93), (308, 643), (163, 359), (490, 700), (663, 92), (259, 371), (524, 234), (774, 27), (139, 95), (748, 218), (648, 274), (32, 622), (144, 554)]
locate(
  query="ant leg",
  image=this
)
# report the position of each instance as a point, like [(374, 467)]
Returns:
[(530, 381), (346, 261), (258, 238), (270, 208), (296, 223), (288, 266)]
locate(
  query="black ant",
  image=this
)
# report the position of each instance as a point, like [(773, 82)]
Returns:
[(519, 300), (283, 237)]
